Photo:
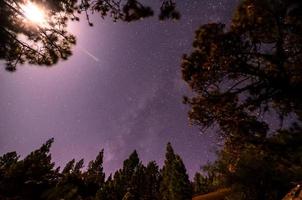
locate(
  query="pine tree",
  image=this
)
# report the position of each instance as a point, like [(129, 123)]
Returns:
[(122, 179), (70, 184), (7, 160), (108, 191), (152, 182), (175, 184), (28, 178), (241, 74), (94, 177), (134, 180)]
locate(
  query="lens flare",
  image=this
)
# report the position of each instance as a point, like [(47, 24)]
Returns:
[(33, 13)]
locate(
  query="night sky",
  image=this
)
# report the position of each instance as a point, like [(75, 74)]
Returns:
[(121, 90)]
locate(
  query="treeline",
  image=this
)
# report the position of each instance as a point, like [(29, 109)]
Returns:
[(35, 177), (263, 172)]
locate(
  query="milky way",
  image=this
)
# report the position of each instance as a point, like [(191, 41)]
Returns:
[(121, 90)]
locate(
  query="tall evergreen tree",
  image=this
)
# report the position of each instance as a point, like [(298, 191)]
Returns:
[(175, 184), (6, 162), (152, 182), (108, 191), (30, 177), (124, 179), (94, 177), (70, 185), (240, 74)]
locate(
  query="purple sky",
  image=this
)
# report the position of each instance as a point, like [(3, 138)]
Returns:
[(121, 90)]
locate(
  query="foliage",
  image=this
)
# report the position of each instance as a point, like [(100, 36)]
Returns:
[(22, 41), (263, 171), (94, 177), (35, 177), (153, 178), (168, 11), (205, 183), (45, 43), (27, 178), (175, 184), (240, 74)]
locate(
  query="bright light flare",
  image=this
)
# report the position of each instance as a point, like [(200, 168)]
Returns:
[(33, 13)]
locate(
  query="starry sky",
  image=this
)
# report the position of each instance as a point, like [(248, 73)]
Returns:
[(121, 90)]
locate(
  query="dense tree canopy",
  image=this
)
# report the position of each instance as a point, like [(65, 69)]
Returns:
[(45, 43), (240, 73), (242, 76)]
